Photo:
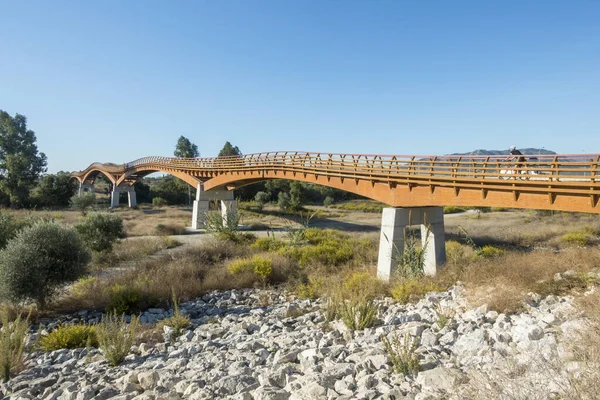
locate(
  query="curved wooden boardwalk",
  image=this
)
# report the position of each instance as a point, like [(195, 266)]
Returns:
[(552, 182)]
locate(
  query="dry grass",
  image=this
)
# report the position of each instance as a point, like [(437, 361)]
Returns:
[(504, 281)]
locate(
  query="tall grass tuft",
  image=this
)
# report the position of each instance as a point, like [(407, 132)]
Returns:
[(178, 321), (402, 353), (225, 228), (12, 343), (115, 336), (358, 314)]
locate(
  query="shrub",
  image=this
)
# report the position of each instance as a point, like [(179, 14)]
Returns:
[(12, 343), (122, 299), (178, 321), (159, 202), (8, 228), (358, 313), (489, 251), (39, 260), (456, 253), (170, 229), (362, 285), (402, 353), (259, 265), (223, 228), (284, 201), (328, 201), (115, 337), (261, 199), (582, 238), (83, 203), (69, 337), (101, 230), (411, 260), (407, 289), (268, 244), (328, 254), (310, 290)]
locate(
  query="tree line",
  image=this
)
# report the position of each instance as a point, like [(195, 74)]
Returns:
[(24, 182)]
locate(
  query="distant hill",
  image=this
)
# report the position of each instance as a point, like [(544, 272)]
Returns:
[(481, 152)]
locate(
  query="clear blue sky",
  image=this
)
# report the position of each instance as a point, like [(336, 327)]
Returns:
[(113, 81)]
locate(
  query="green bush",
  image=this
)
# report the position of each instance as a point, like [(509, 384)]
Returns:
[(310, 290), (123, 299), (284, 201), (83, 203), (581, 238), (69, 337), (159, 202), (101, 230), (115, 337), (327, 254), (328, 201), (268, 244), (39, 260), (8, 228), (489, 251), (261, 199), (261, 266)]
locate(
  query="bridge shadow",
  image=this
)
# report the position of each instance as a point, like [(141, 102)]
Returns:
[(342, 225), (484, 240), (153, 211)]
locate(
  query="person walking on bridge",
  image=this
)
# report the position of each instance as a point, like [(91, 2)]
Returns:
[(514, 153)]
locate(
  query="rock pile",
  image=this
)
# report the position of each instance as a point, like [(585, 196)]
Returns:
[(241, 350)]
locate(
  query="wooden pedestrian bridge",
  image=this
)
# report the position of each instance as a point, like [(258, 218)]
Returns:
[(552, 182), (415, 187)]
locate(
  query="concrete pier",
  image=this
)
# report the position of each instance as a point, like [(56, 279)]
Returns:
[(394, 222), (201, 205)]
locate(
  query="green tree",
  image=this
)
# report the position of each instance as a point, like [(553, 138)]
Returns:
[(54, 190), (186, 149), (40, 260), (297, 195), (101, 230), (20, 163), (229, 150)]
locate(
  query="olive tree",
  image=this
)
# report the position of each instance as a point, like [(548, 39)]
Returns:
[(39, 261)]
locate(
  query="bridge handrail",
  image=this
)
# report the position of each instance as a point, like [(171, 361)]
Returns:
[(553, 167)]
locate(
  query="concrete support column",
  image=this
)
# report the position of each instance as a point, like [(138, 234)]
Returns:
[(228, 208), (201, 204), (199, 213), (131, 197), (114, 197), (391, 244)]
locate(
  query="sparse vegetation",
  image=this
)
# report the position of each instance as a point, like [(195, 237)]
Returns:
[(402, 352), (116, 336), (178, 321), (12, 343)]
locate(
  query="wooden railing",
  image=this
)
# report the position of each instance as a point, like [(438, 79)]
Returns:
[(542, 168)]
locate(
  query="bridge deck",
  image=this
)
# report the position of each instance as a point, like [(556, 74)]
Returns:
[(564, 182)]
